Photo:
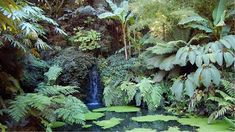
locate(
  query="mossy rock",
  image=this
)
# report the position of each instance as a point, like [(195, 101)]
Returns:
[(202, 123), (152, 118), (93, 116), (141, 130), (118, 109), (108, 123)]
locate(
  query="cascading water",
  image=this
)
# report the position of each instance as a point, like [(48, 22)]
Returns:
[(94, 89)]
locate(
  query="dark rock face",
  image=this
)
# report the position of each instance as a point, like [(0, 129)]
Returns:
[(76, 66), (33, 72)]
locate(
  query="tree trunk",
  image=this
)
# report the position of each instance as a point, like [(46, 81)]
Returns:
[(124, 40)]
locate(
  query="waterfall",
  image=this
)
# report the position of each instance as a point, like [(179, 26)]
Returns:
[(94, 89)]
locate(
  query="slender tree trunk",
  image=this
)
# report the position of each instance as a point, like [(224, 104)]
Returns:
[(124, 40), (129, 42)]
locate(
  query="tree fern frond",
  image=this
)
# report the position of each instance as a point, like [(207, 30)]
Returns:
[(53, 73), (73, 111), (13, 41), (38, 101), (19, 107), (56, 90), (229, 87), (40, 44)]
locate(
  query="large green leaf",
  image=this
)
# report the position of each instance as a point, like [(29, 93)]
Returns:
[(189, 87), (229, 58), (206, 77), (218, 11), (219, 58), (215, 74), (112, 5), (197, 76), (106, 15), (177, 89)]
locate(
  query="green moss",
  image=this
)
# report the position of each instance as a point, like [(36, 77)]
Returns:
[(151, 118), (141, 130), (93, 116), (87, 126), (173, 129), (108, 123), (202, 123), (118, 109)]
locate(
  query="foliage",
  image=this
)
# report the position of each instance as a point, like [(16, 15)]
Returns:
[(3, 127), (108, 123), (8, 5), (122, 86), (87, 40), (52, 74), (225, 100), (27, 21), (123, 15), (51, 104), (206, 52)]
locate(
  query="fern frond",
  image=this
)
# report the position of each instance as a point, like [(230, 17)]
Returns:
[(73, 111), (39, 101), (229, 87), (53, 73), (56, 90), (42, 45), (13, 41), (19, 107)]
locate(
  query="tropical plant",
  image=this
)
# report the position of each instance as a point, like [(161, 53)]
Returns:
[(10, 6), (123, 85), (225, 100), (204, 58), (87, 40), (29, 32), (122, 14), (52, 104)]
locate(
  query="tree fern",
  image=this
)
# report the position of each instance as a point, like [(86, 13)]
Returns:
[(52, 74), (225, 102), (26, 21), (73, 111), (56, 90), (151, 93)]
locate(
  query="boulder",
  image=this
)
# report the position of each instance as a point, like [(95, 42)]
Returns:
[(76, 66)]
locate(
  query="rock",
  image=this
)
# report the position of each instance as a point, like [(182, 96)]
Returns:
[(33, 72), (76, 66)]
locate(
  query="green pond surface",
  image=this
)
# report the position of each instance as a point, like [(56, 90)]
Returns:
[(132, 119)]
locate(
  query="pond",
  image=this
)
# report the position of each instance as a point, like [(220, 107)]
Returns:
[(117, 119)]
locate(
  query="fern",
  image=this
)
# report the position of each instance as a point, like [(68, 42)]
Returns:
[(26, 21), (225, 102), (51, 103), (56, 90), (19, 108), (73, 111), (151, 93), (53, 73)]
